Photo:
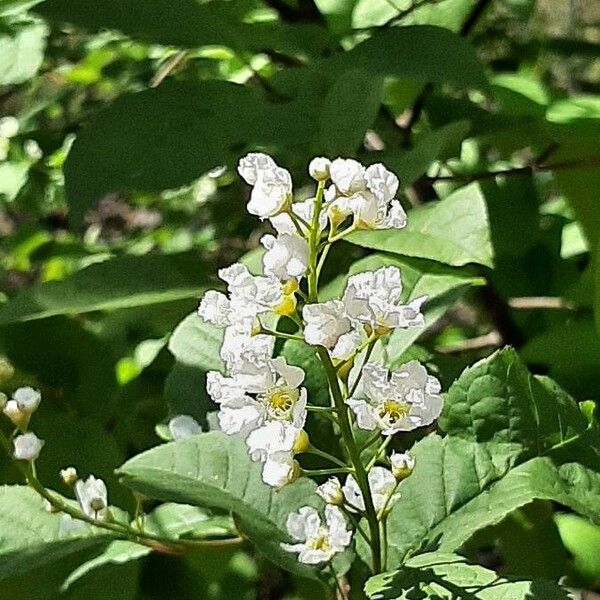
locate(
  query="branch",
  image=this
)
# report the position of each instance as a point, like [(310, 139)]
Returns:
[(544, 302), (166, 68)]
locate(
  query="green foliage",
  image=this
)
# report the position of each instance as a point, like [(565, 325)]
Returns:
[(454, 231), (447, 576), (22, 51)]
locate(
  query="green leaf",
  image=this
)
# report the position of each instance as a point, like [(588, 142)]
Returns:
[(449, 576), (349, 109), (214, 470), (454, 231), (13, 176), (32, 536), (497, 400), (159, 139), (188, 24), (582, 539), (440, 143), (460, 487), (116, 283), (196, 344), (421, 52), (22, 52)]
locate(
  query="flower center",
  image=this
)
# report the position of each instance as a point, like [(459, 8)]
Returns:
[(393, 410), (321, 542), (280, 402)]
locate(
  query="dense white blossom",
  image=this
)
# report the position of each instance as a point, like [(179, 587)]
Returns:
[(331, 491), (382, 485), (325, 323), (373, 298), (271, 185), (318, 542), (286, 256), (92, 496), (347, 175), (407, 399), (403, 464), (182, 427), (27, 446)]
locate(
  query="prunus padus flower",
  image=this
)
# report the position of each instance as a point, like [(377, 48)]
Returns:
[(382, 484), (331, 491), (92, 496), (403, 400), (403, 464), (27, 446), (318, 542)]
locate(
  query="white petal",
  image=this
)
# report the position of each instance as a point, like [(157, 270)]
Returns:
[(182, 427), (352, 494), (292, 375), (250, 165), (215, 308), (27, 446), (27, 399), (348, 175), (366, 417)]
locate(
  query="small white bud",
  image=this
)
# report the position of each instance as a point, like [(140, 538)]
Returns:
[(69, 475), (183, 426), (331, 491), (27, 399), (318, 168), (27, 446), (9, 127), (403, 464), (19, 418), (32, 150)]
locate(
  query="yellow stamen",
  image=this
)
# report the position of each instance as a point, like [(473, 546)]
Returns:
[(393, 410)]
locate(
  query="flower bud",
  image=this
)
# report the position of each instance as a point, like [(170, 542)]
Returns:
[(302, 443), (27, 399), (403, 465), (287, 306), (331, 491), (69, 475), (27, 446), (9, 127), (19, 418), (318, 168), (32, 150)]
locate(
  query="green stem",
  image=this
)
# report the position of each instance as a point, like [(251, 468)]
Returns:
[(352, 518), (360, 472), (280, 334), (385, 543), (327, 471), (381, 449), (365, 360), (370, 441), (329, 457), (313, 242)]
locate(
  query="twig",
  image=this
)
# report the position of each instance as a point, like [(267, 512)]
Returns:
[(534, 302), (492, 338), (166, 68)]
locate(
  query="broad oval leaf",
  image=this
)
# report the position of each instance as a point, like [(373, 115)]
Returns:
[(454, 231), (214, 470), (112, 284)]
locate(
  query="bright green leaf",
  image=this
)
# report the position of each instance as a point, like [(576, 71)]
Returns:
[(121, 282), (22, 52), (454, 231)]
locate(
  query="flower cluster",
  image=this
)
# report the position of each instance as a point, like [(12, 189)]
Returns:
[(261, 398)]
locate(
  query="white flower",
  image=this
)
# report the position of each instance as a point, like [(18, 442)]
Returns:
[(252, 164), (260, 392), (318, 542), (347, 175), (27, 399), (273, 444), (331, 491), (382, 485), (92, 497), (272, 185), (381, 182), (27, 446), (9, 127), (23, 404), (318, 168), (239, 343), (410, 398), (182, 427), (283, 223), (403, 464), (325, 323), (215, 308), (286, 256), (346, 345), (373, 298)]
